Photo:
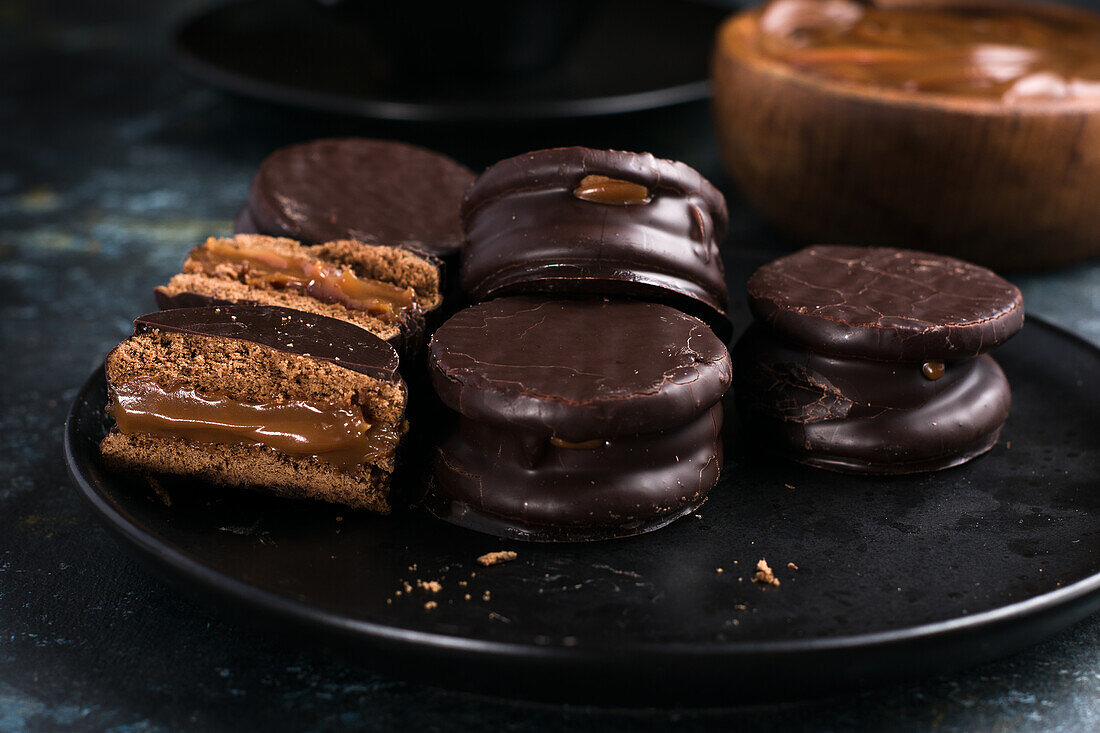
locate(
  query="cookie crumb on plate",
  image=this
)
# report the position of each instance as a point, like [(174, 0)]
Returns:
[(764, 574), (496, 558)]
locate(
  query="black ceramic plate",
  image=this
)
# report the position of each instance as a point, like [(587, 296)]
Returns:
[(896, 577), (630, 55)]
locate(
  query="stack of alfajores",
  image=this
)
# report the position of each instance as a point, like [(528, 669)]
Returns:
[(587, 380), (274, 363)]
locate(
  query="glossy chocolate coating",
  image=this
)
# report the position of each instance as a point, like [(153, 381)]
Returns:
[(405, 342), (373, 191), (578, 369), (863, 416), (282, 329), (520, 485), (885, 304), (530, 229)]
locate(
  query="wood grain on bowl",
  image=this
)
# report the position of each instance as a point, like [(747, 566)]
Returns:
[(1011, 182)]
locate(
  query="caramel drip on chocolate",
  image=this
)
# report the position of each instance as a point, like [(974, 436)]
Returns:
[(328, 283), (582, 445), (994, 53), (613, 191), (933, 370), (341, 436)]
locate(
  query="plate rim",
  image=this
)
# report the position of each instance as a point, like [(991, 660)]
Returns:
[(177, 563), (395, 110)]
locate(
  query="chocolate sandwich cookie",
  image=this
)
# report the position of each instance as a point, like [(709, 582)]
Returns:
[(259, 397), (385, 289), (597, 222), (870, 359), (578, 419), (373, 191)]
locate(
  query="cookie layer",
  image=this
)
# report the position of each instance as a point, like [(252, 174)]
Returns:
[(597, 222), (578, 369), (258, 397), (868, 417), (885, 304), (386, 290), (373, 191), (515, 484), (577, 418)]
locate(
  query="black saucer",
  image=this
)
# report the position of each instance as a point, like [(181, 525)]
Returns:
[(631, 55), (896, 578)]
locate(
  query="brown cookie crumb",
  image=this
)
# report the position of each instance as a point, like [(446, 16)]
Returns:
[(792, 566), (496, 558), (764, 574), (430, 605), (432, 586)]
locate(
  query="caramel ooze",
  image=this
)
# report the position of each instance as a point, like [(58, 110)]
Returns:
[(933, 370), (341, 436), (328, 283), (613, 191), (997, 53), (582, 445)]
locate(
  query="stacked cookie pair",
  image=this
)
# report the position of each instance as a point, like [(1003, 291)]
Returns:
[(872, 360), (274, 363), (356, 229), (586, 381)]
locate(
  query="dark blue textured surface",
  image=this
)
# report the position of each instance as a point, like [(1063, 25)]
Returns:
[(112, 164)]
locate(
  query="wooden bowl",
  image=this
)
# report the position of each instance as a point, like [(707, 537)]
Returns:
[(1008, 186)]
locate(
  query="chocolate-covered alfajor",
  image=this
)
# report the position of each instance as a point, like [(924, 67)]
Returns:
[(871, 360), (372, 191), (578, 220), (385, 289), (259, 397), (577, 419)]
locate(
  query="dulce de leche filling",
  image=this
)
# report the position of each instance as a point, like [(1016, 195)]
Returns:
[(612, 191), (325, 282), (340, 436), (998, 53)]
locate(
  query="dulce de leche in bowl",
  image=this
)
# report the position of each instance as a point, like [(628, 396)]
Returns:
[(971, 128)]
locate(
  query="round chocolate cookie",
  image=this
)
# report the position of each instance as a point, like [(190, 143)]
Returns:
[(885, 304), (867, 360), (577, 419), (373, 191), (597, 222)]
